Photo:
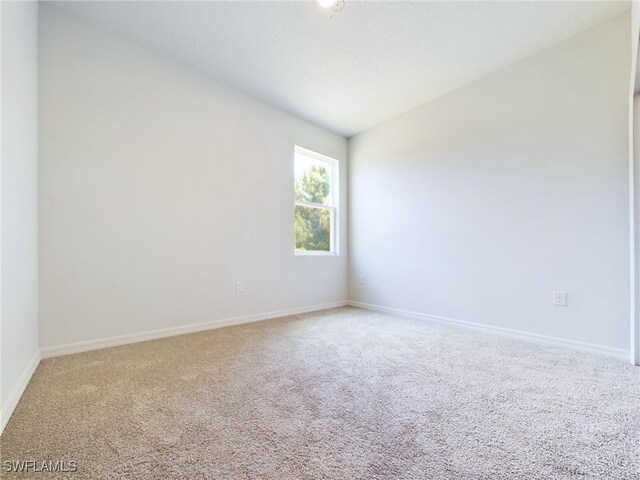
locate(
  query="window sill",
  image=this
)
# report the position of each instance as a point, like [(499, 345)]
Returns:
[(314, 254)]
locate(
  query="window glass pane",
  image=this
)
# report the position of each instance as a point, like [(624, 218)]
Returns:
[(312, 180), (312, 229)]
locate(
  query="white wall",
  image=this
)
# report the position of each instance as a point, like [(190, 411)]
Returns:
[(159, 188), (479, 204), (634, 333), (19, 252), (634, 188)]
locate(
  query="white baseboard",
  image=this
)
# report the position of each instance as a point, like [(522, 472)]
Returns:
[(546, 339), (14, 397), (69, 348)]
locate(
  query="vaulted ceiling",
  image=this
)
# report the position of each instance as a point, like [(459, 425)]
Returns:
[(347, 70)]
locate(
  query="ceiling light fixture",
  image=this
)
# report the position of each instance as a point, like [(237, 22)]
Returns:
[(335, 5)]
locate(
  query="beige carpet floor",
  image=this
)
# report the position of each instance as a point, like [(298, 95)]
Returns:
[(340, 394)]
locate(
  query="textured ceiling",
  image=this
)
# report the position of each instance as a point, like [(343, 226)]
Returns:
[(350, 70)]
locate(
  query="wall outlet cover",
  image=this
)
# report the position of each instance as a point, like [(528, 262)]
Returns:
[(560, 299)]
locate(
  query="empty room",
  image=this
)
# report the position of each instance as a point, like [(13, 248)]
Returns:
[(320, 239)]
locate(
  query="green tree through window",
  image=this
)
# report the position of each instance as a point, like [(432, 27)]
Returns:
[(314, 208)]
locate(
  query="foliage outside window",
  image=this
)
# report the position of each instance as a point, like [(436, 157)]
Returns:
[(315, 198)]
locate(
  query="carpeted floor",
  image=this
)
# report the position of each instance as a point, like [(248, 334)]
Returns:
[(340, 394)]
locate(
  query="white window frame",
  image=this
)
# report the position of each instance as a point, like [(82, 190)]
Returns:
[(332, 206)]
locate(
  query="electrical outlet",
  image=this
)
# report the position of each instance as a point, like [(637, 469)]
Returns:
[(363, 280), (239, 286), (560, 299)]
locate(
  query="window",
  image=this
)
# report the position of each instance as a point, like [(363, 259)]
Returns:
[(316, 203)]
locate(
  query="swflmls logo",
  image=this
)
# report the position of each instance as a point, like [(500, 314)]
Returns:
[(24, 466)]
